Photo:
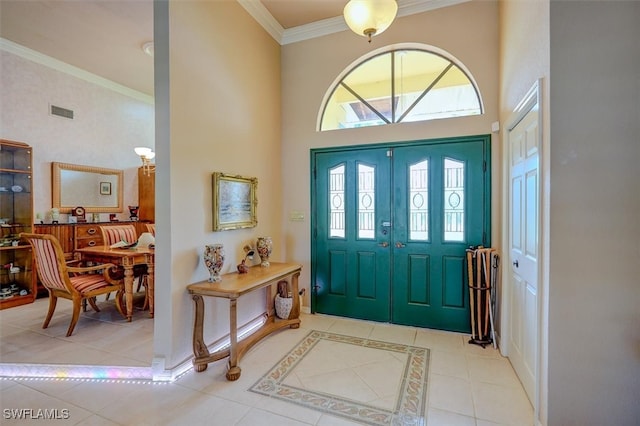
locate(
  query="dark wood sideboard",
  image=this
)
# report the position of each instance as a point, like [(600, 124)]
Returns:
[(74, 236)]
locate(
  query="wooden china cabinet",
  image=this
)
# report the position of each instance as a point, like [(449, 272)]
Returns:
[(17, 278), (147, 194)]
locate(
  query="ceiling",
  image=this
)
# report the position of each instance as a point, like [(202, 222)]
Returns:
[(294, 13), (105, 37)]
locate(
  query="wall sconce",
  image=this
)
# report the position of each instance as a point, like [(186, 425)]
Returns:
[(148, 48), (146, 155), (370, 17)]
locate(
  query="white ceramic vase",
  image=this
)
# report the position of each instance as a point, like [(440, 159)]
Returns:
[(283, 306), (264, 245), (214, 260)]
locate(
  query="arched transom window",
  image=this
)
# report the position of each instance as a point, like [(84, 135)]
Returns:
[(399, 86)]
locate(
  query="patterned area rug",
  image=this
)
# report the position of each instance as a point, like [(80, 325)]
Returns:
[(393, 376)]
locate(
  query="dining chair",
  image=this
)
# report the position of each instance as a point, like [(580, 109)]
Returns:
[(151, 228), (117, 233), (112, 234), (70, 282)]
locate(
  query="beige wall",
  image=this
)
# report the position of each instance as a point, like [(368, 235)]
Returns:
[(310, 67), (594, 301), (224, 115), (590, 120), (524, 58), (106, 127)]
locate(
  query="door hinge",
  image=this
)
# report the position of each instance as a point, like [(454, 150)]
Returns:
[(484, 166), (389, 153)]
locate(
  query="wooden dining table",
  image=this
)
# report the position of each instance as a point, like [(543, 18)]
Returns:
[(127, 258)]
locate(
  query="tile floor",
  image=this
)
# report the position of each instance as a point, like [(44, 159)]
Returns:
[(99, 338), (467, 385)]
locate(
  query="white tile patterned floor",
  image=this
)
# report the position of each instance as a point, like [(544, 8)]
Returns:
[(468, 385)]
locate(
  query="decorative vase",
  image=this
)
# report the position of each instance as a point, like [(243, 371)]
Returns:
[(242, 267), (283, 306), (213, 260), (55, 215), (133, 212), (264, 245)]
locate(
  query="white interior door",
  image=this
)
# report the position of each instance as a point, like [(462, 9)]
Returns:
[(524, 247)]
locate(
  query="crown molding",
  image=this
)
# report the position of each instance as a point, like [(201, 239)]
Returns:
[(260, 13), (48, 61), (313, 30), (411, 7), (330, 25)]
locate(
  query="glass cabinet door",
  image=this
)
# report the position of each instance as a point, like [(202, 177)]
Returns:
[(17, 280)]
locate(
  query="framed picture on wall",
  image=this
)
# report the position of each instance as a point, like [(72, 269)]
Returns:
[(105, 188), (234, 202)]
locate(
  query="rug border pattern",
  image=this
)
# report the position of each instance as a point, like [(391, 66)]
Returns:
[(410, 405)]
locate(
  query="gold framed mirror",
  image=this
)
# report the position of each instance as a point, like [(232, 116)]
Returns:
[(97, 189)]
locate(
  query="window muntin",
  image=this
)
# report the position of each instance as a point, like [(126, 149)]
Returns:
[(369, 86), (336, 202), (401, 85), (419, 201), (454, 206), (366, 201)]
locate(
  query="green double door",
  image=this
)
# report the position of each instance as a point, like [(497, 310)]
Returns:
[(390, 228)]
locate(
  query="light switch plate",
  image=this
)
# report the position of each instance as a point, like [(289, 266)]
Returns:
[(296, 216)]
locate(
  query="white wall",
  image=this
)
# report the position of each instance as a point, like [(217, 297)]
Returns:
[(524, 58), (310, 67), (594, 309), (106, 127), (218, 100)]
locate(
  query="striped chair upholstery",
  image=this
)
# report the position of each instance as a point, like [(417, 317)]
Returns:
[(117, 233), (151, 228), (47, 264), (73, 283)]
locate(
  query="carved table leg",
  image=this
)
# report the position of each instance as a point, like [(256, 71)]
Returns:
[(234, 371), (128, 286), (200, 350)]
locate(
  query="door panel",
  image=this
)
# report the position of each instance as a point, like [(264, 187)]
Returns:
[(454, 220), (454, 293), (391, 227), (352, 266), (419, 279), (524, 209)]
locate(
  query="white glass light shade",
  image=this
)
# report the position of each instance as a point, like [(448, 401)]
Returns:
[(151, 155), (142, 151), (370, 17)]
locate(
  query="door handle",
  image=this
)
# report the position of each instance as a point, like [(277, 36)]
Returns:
[(515, 263), (400, 245), (383, 244)]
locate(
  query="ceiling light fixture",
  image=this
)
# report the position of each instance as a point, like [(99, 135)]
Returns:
[(370, 17), (146, 155)]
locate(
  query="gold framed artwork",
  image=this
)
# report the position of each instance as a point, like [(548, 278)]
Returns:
[(105, 188), (234, 202)]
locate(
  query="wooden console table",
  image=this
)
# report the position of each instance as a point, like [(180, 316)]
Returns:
[(232, 286)]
